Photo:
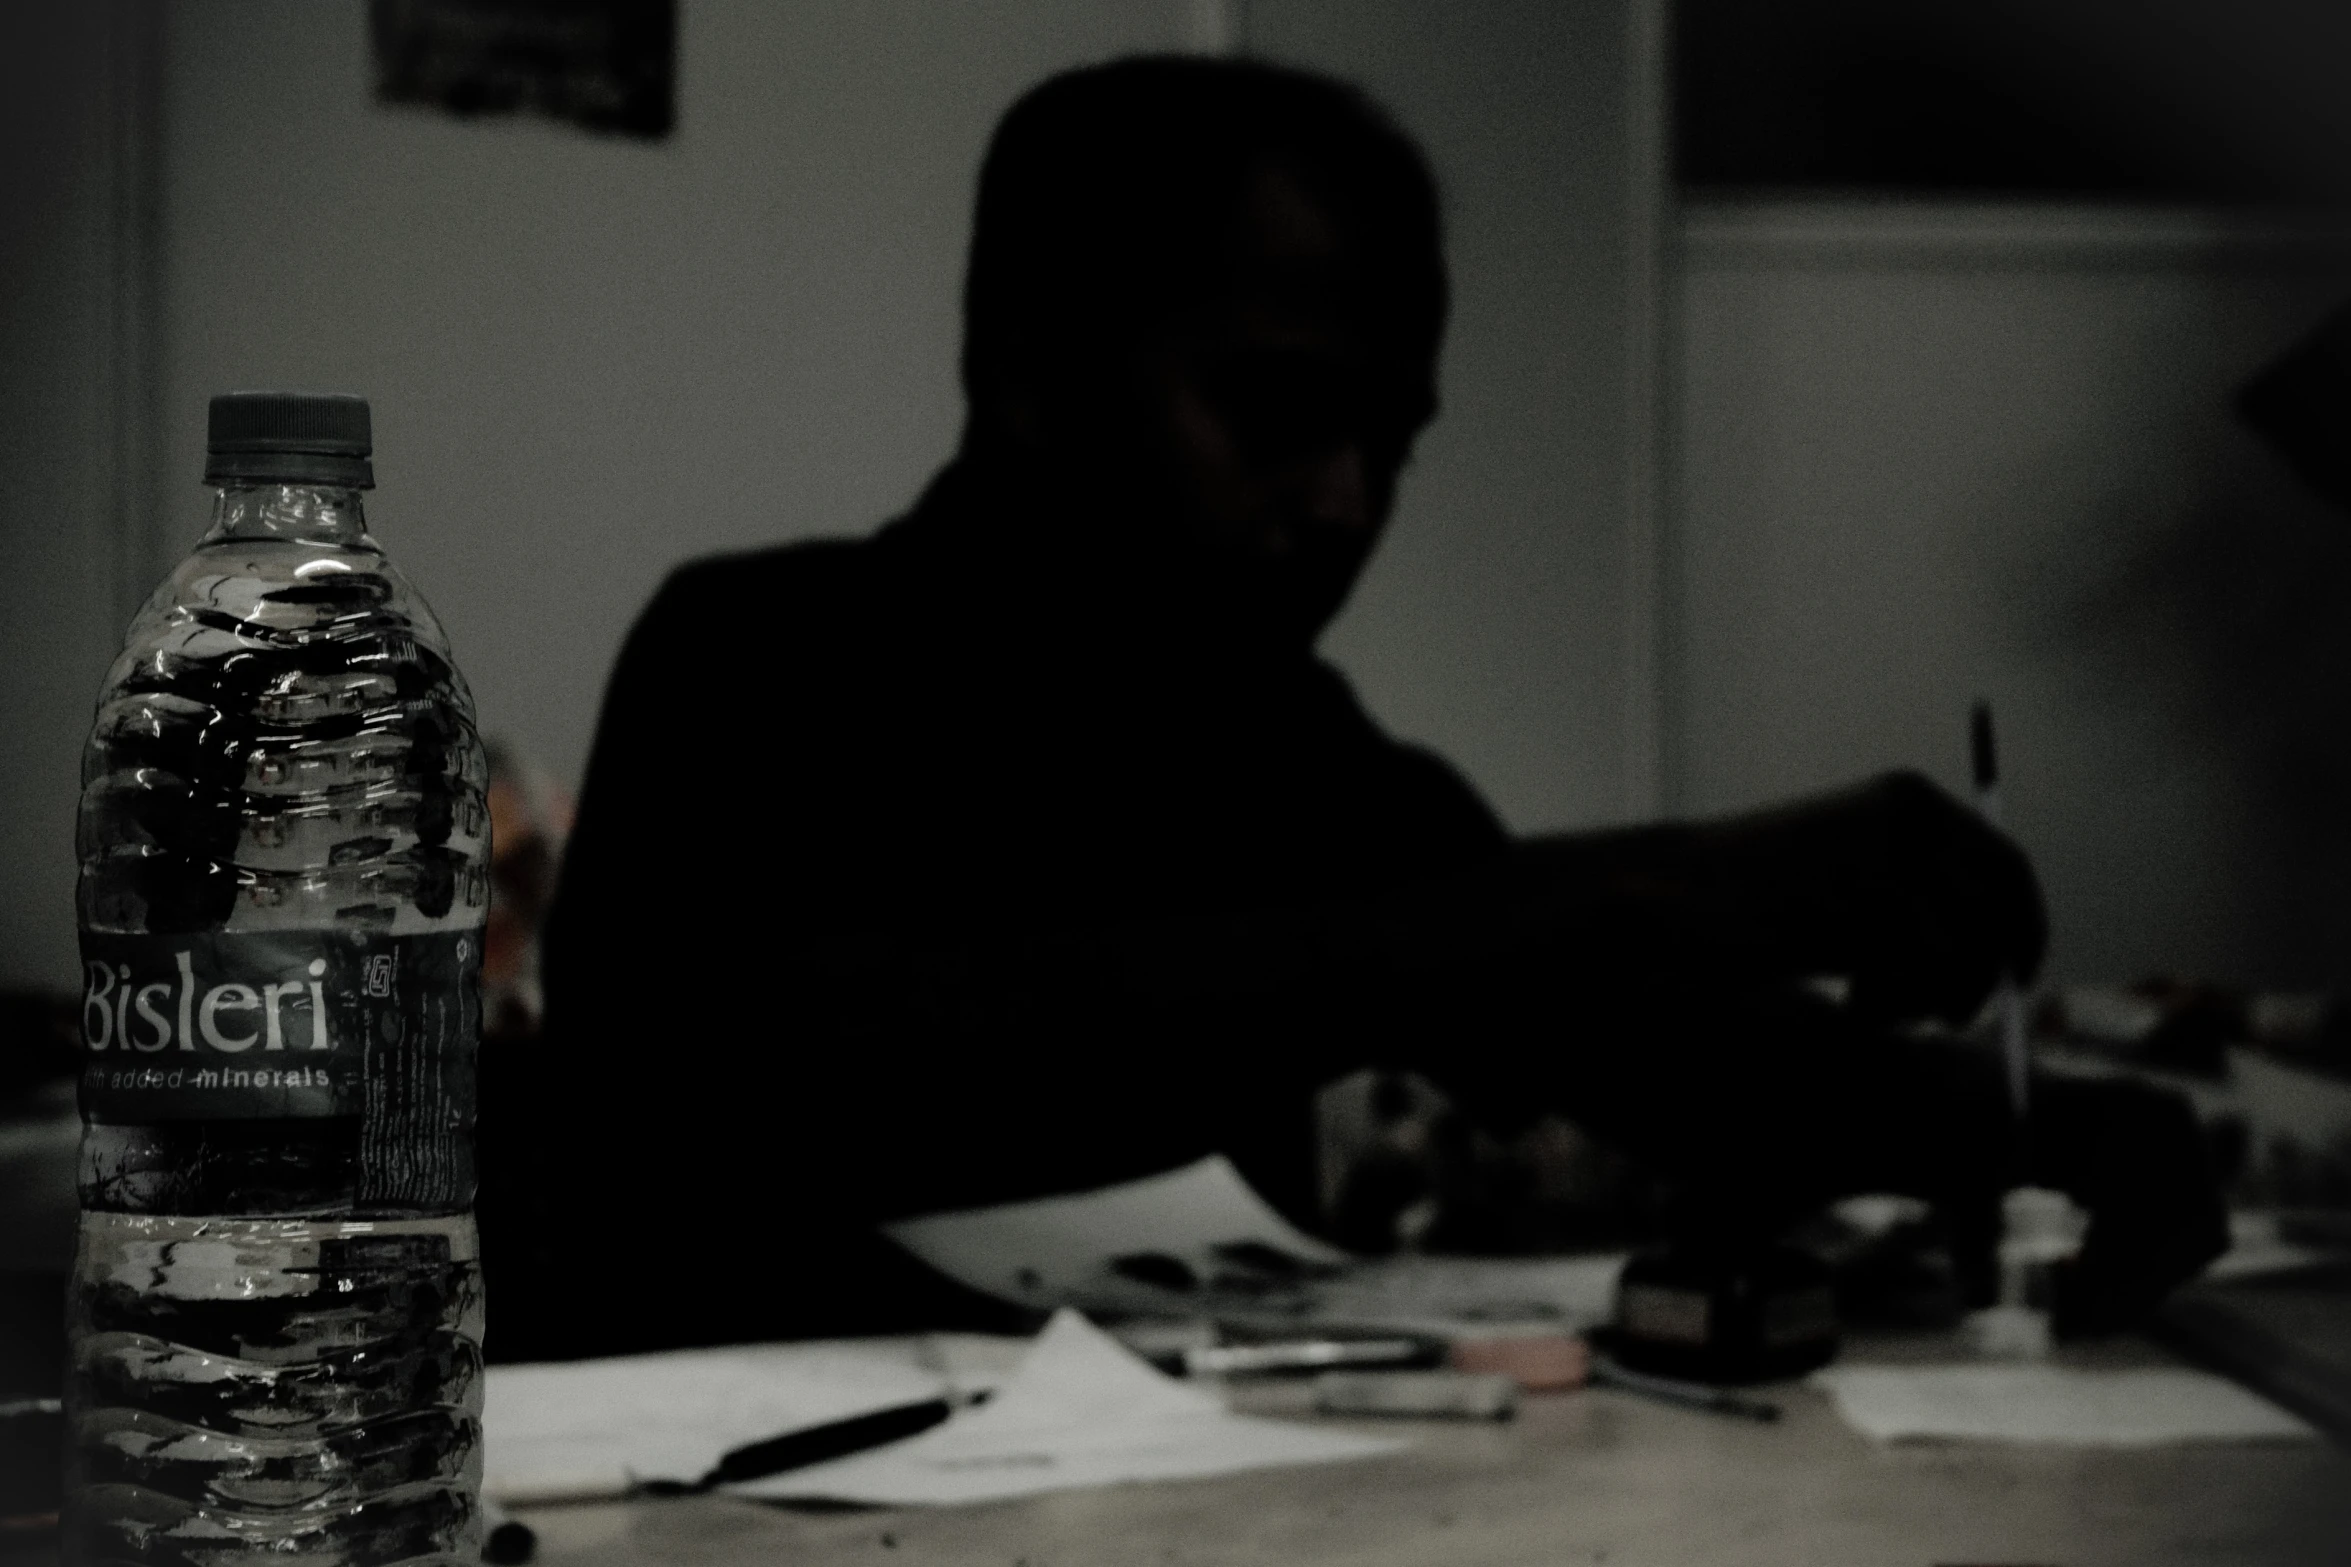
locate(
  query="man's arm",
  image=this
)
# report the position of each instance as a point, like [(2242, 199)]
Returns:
[(1890, 885)]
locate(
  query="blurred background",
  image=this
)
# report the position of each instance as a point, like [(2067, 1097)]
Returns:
[(1817, 368)]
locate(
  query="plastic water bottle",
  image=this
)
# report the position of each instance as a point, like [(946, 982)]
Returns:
[(276, 1310)]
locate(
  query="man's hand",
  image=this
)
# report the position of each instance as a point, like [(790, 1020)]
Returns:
[(1894, 884)]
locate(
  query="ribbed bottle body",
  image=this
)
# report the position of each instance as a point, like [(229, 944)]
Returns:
[(275, 1313), (281, 1390)]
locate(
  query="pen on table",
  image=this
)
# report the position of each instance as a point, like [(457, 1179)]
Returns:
[(1690, 1395), (815, 1445), (1297, 1355), (507, 1541), (2015, 1048)]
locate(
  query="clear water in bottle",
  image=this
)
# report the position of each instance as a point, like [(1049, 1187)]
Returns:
[(276, 1310)]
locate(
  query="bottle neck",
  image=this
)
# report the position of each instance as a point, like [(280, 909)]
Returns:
[(294, 513)]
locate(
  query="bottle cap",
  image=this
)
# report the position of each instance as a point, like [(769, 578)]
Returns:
[(321, 438)]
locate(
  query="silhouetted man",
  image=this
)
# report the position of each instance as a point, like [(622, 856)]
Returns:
[(1027, 845)]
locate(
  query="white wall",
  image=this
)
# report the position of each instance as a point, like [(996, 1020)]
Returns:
[(1930, 454)]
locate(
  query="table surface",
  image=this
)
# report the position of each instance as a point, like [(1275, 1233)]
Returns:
[(1596, 1476)]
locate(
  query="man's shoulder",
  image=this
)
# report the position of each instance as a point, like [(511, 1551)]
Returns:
[(804, 568), (810, 588), (1404, 782)]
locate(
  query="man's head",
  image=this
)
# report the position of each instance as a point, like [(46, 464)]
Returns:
[(1207, 296)]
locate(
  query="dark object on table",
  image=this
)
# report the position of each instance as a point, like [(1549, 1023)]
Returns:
[(2302, 403), (1720, 1311), (610, 65), (2134, 1155)]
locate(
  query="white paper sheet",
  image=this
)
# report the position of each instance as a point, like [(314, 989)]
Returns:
[(1218, 1250), (2149, 1407), (1081, 1411), (1202, 1220), (592, 1428)]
